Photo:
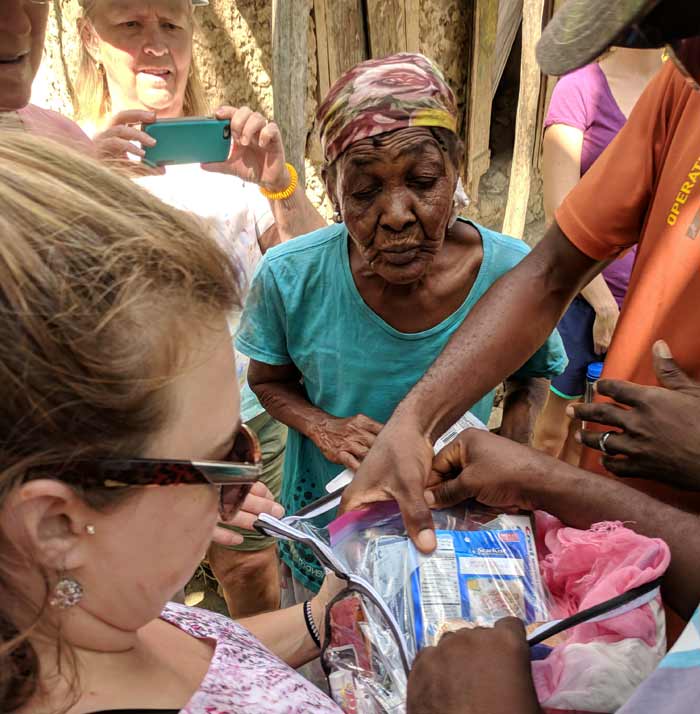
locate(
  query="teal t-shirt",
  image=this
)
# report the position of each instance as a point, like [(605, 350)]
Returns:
[(304, 308)]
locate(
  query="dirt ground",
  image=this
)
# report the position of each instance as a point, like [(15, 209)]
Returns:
[(202, 591)]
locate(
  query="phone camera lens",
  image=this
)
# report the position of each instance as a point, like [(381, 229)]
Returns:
[(227, 132)]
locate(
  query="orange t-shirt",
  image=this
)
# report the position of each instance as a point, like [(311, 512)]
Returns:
[(645, 189)]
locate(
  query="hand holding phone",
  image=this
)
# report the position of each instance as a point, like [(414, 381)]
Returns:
[(257, 154), (120, 138), (187, 140)]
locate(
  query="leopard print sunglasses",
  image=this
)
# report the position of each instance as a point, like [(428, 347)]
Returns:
[(235, 475)]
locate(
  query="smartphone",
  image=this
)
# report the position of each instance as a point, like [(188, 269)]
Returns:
[(189, 140)]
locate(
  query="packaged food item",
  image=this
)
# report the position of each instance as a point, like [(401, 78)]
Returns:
[(473, 577), (347, 639)]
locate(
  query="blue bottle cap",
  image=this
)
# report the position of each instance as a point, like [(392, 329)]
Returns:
[(595, 369)]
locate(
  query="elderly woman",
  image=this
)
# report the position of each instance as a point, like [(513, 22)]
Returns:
[(340, 324), (136, 66), (120, 443)]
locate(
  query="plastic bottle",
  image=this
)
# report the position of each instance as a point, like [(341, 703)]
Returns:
[(595, 369)]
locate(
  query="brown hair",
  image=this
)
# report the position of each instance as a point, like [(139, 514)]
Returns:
[(93, 101), (100, 287)]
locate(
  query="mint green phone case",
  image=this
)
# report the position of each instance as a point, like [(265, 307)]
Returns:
[(190, 140)]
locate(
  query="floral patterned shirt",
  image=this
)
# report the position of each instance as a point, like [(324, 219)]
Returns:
[(243, 675)]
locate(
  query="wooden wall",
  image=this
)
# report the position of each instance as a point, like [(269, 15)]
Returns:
[(377, 28)]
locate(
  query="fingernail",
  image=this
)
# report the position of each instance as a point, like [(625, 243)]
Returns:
[(662, 349), (429, 498), (425, 542), (570, 412), (277, 511), (578, 438), (150, 141)]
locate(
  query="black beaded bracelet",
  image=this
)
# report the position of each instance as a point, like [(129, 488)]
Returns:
[(311, 625)]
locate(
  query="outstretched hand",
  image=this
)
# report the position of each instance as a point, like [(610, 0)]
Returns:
[(257, 152), (397, 467), (656, 429), (259, 500), (493, 470)]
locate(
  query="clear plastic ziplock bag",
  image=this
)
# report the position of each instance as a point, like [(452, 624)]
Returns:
[(397, 600), (484, 568)]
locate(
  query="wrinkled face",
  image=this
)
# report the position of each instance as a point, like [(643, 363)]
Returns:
[(396, 194), (22, 29), (145, 47)]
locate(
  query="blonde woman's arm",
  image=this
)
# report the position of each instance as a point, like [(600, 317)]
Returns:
[(284, 632), (257, 155)]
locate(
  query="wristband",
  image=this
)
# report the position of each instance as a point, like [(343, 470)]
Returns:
[(311, 625), (281, 195)]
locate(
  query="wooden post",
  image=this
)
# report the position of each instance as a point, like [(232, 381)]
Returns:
[(510, 15), (413, 25), (386, 23), (548, 84), (322, 60), (290, 25), (525, 125), (479, 103), (340, 39)]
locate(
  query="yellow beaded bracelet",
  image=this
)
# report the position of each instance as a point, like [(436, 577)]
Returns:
[(281, 195)]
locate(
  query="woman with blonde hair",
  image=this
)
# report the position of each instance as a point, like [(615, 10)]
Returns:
[(137, 66), (120, 443)]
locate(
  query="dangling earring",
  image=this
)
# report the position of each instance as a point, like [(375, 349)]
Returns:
[(337, 215), (100, 67), (67, 593)]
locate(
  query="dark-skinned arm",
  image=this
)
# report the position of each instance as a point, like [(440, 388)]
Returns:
[(343, 441), (522, 402), (501, 473), (294, 216), (505, 328)]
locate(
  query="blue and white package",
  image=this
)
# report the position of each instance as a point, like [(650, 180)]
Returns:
[(474, 578)]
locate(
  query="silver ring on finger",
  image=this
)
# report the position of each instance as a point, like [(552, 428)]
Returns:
[(603, 440)]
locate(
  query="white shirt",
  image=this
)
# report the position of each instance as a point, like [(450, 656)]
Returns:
[(239, 215)]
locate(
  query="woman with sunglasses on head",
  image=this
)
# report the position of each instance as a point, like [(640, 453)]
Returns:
[(120, 443), (137, 66)]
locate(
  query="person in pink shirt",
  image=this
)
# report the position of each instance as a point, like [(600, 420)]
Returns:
[(22, 31)]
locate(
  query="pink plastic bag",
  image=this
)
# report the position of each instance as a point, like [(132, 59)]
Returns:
[(599, 664)]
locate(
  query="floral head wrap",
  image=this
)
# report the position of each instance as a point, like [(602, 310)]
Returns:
[(382, 95)]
